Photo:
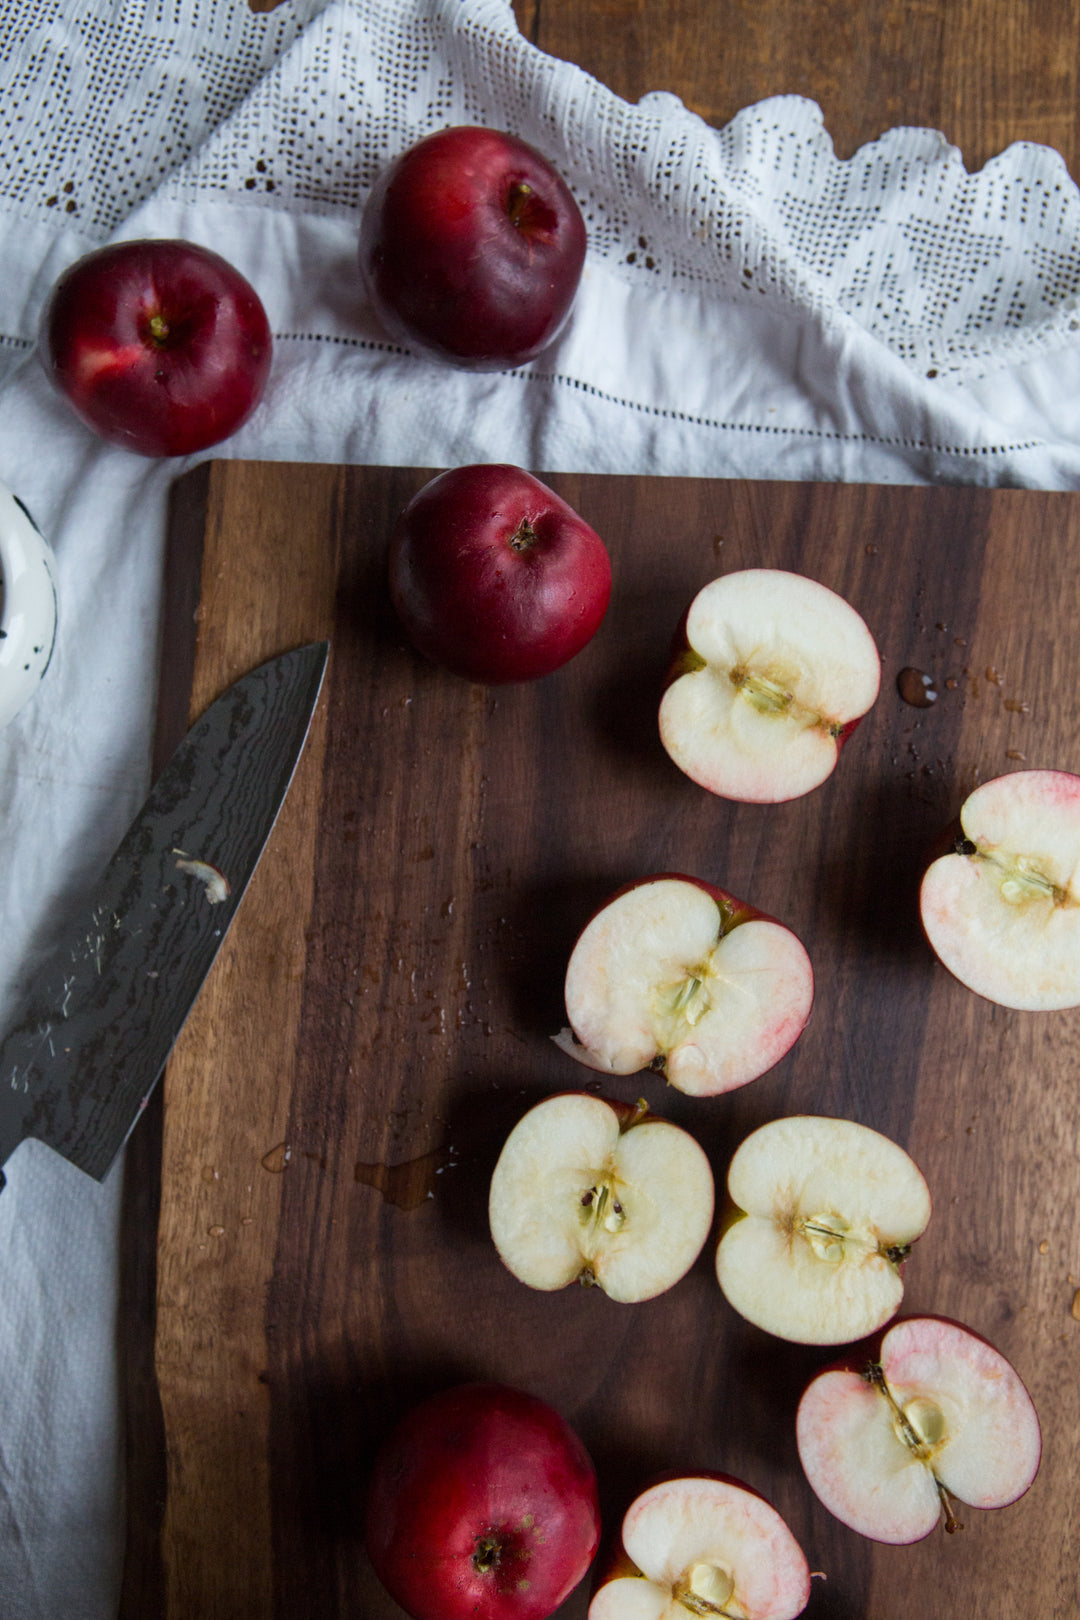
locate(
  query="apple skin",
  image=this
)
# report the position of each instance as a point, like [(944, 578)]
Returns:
[(159, 345), (495, 577), (472, 248), (482, 1506)]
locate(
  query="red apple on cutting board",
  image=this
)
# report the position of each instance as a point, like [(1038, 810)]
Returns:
[(482, 1505), (496, 578), (472, 248), (600, 1192), (677, 975), (160, 346), (772, 674), (1002, 910), (891, 1440), (822, 1213), (703, 1545)]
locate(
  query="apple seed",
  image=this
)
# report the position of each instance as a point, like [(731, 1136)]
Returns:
[(707, 1589)]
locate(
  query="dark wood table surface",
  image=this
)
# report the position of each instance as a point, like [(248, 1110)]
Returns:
[(984, 72)]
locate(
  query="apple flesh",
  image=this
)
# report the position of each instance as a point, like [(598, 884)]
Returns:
[(678, 976), (704, 1545), (482, 1505), (772, 674), (937, 1416), (822, 1215), (495, 577), (599, 1192), (159, 346), (472, 248), (1002, 910)]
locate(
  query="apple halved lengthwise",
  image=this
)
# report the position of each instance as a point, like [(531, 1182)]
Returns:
[(677, 976), (774, 672), (600, 1192), (937, 1416), (822, 1213), (1002, 910), (704, 1545)]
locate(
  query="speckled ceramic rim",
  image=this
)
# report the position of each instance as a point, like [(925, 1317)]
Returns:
[(27, 605)]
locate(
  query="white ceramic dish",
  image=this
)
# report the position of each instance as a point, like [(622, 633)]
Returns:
[(27, 605)]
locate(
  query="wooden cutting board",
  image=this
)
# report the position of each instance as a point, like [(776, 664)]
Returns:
[(380, 1017)]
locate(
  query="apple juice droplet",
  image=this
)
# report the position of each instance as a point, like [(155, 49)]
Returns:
[(916, 688), (406, 1185)]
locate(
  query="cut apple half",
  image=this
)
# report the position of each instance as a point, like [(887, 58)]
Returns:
[(677, 976), (1002, 911), (600, 1192), (774, 672), (937, 1417), (704, 1546), (822, 1213)]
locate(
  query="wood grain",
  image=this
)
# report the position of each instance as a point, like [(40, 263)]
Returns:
[(380, 1018), (985, 72)]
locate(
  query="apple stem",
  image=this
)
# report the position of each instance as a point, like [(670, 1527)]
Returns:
[(159, 328), (517, 202), (952, 1523), (524, 537)]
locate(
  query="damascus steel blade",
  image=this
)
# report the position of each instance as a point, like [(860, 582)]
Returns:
[(78, 1068)]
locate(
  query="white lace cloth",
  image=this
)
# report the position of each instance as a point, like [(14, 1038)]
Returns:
[(752, 307)]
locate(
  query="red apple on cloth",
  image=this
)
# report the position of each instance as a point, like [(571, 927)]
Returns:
[(594, 1191), (676, 975), (704, 1545), (160, 346), (471, 249), (890, 1442), (822, 1215), (773, 673), (1002, 911), (496, 578), (482, 1505)]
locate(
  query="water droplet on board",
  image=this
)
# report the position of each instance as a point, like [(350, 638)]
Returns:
[(277, 1159), (407, 1185), (215, 1231), (916, 688)]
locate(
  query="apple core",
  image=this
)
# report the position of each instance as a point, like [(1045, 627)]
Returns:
[(919, 1424)]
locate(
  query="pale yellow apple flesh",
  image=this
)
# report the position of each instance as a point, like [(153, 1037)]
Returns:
[(1002, 912), (576, 1197), (654, 981), (824, 1211), (778, 666)]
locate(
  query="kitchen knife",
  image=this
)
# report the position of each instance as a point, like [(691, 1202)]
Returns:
[(77, 1070)]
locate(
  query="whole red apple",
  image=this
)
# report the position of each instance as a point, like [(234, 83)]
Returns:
[(482, 1506), (495, 577), (160, 346), (471, 249)]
